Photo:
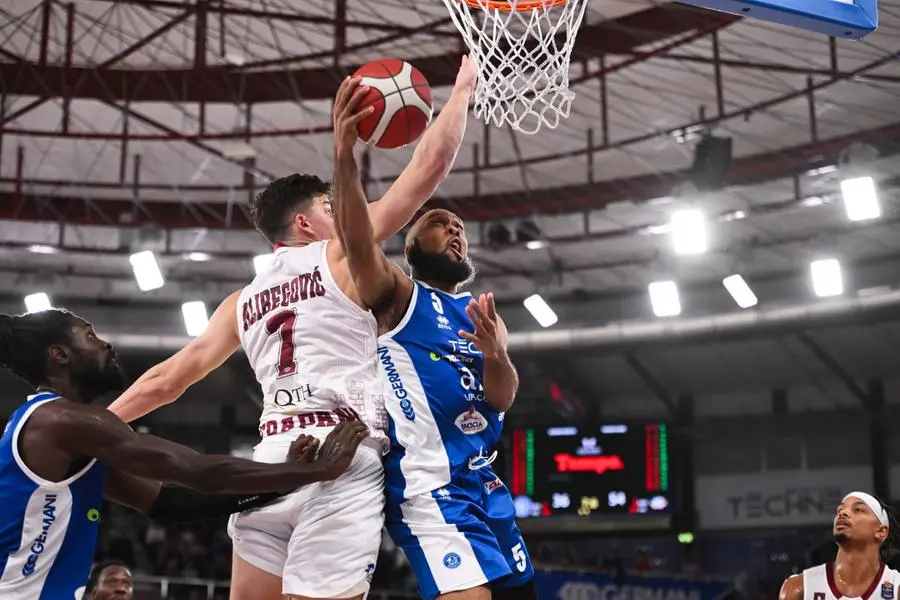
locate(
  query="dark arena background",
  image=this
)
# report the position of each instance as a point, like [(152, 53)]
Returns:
[(714, 228)]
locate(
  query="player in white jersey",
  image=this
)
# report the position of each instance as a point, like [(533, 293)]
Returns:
[(862, 530), (312, 346), (448, 389)]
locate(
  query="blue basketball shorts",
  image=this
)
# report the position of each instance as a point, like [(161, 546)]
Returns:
[(461, 536)]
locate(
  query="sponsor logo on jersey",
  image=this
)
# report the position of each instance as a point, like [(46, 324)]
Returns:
[(370, 571), (443, 322), (463, 347), (37, 547), (300, 288), (293, 397), (471, 422), (396, 382), (887, 590), (490, 486), (442, 493)]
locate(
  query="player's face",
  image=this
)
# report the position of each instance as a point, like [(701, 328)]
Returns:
[(854, 520), (438, 249), (114, 584), (93, 363), (317, 222)]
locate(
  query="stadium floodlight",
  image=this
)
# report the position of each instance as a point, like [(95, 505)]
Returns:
[(860, 198), (37, 302), (146, 270), (263, 263), (740, 291), (195, 317), (664, 298), (540, 310), (826, 277), (42, 249), (689, 231)]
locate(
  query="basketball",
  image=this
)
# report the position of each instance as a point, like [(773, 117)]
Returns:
[(402, 100)]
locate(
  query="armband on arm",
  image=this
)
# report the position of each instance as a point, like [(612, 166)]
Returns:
[(176, 504)]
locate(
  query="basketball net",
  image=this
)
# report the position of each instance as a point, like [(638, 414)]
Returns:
[(522, 49)]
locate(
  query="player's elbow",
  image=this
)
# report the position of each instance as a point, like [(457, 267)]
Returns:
[(502, 402), (165, 385)]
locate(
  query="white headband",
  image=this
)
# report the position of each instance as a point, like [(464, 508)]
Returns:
[(873, 503)]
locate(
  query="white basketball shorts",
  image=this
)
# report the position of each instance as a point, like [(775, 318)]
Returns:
[(323, 539)]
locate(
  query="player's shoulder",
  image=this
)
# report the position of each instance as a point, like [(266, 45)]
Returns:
[(792, 588), (63, 413)]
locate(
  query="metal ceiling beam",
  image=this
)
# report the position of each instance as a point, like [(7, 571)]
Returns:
[(751, 170), (142, 43), (290, 17), (774, 67), (651, 382), (213, 83), (839, 371)]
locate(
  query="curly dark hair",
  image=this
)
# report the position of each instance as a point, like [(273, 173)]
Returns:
[(273, 208), (25, 339)]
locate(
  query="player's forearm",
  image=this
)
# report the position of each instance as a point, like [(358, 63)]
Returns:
[(348, 201), (430, 165), (152, 390), (440, 143), (224, 474), (501, 381)]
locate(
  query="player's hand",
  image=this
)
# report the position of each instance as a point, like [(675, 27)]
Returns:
[(340, 446), (468, 74), (303, 449), (489, 337), (345, 117)]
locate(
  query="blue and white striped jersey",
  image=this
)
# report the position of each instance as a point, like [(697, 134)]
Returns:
[(48, 530), (440, 425)]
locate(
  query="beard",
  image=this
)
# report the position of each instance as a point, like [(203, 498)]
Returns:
[(98, 377), (841, 538), (438, 267)]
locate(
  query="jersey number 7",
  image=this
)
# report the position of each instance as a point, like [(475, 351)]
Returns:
[(282, 323)]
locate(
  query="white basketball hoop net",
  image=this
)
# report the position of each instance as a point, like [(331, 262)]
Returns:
[(522, 49)]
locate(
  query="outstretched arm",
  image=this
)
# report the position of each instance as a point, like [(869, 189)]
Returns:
[(431, 162), (167, 381), (500, 380), (175, 504), (375, 277), (95, 432)]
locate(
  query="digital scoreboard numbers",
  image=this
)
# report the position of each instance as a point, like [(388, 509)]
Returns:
[(608, 469)]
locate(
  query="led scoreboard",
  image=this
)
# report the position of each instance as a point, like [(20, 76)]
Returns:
[(607, 469)]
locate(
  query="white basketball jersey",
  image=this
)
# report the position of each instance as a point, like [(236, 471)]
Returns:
[(819, 584), (312, 348)]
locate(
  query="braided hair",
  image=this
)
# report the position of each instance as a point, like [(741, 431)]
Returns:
[(25, 339), (889, 552)]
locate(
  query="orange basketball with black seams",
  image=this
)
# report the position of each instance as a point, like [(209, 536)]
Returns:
[(402, 100)]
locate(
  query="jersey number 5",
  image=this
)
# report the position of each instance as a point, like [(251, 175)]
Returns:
[(519, 556), (282, 323)]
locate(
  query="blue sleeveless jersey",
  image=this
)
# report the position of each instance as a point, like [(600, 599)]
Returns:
[(48, 531), (440, 425)]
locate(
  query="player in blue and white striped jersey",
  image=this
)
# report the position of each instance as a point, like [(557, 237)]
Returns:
[(447, 389), (59, 457)]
